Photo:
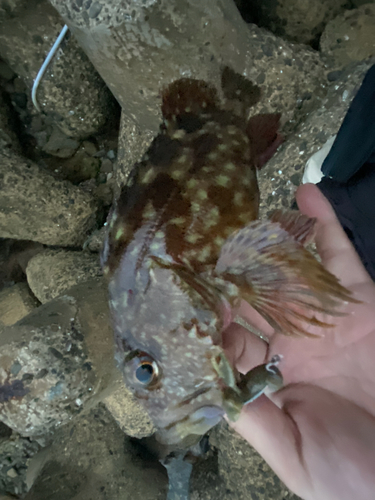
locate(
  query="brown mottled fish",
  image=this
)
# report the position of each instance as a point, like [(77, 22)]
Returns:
[(184, 247)]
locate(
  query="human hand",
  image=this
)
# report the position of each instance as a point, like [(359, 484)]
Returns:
[(318, 432)]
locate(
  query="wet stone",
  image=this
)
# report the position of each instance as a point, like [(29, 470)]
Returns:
[(244, 472), (16, 302), (279, 178), (350, 37), (71, 93), (55, 360), (52, 272), (36, 206)]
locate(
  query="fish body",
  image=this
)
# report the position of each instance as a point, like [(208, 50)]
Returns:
[(184, 247)]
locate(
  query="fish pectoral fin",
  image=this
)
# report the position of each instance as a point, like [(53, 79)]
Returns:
[(279, 277), (299, 226)]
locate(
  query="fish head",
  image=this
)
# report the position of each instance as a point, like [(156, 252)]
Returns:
[(168, 348)]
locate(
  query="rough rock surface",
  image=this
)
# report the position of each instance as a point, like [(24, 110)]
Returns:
[(127, 412), (52, 272), (55, 360), (237, 460), (350, 37), (35, 206), (300, 22), (71, 93), (16, 302), (8, 138), (15, 455), (93, 459), (280, 177)]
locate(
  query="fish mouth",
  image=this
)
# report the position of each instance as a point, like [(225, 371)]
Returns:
[(197, 423)]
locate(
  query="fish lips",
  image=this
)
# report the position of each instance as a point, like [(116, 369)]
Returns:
[(196, 423)]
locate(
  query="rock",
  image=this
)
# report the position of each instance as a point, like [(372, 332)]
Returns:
[(52, 272), (15, 455), (55, 360), (71, 93), (16, 302), (8, 138), (14, 256), (244, 472), (301, 22), (35, 206), (59, 144), (127, 412), (292, 78), (91, 458), (279, 178), (350, 37), (95, 241)]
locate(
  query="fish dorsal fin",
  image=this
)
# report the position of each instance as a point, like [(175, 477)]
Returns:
[(262, 131), (188, 96), (238, 88), (279, 277)]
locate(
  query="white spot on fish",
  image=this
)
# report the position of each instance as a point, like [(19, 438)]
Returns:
[(119, 233), (148, 176), (238, 198), (230, 166), (179, 134), (193, 237), (222, 180), (202, 194), (192, 183), (178, 221)]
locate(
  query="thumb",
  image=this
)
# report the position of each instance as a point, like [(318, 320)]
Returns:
[(274, 434)]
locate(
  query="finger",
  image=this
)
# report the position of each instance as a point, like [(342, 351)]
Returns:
[(337, 253), (243, 348), (275, 436)]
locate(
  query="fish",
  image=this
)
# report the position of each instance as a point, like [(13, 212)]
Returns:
[(185, 246)]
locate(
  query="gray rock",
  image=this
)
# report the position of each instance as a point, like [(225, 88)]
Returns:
[(72, 94), (91, 458), (55, 360), (127, 411), (15, 455), (58, 144), (35, 206), (244, 472), (350, 37), (8, 138), (52, 272), (16, 302), (300, 22), (279, 178)]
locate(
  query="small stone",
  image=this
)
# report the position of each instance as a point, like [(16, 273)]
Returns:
[(106, 166), (89, 148), (12, 473), (350, 37), (52, 272), (16, 302)]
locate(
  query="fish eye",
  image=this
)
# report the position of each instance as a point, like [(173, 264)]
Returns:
[(146, 372), (143, 369)]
